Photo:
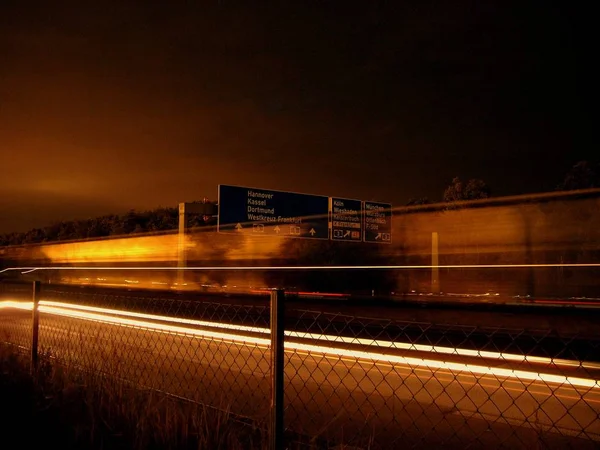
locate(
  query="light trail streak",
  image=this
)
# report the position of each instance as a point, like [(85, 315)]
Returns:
[(312, 336), (330, 338), (79, 312), (6, 304), (471, 378), (118, 312), (443, 350), (26, 270)]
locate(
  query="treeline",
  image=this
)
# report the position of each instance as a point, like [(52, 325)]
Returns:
[(582, 175), (160, 219)]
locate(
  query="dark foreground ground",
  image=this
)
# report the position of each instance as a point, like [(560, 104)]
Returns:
[(57, 408)]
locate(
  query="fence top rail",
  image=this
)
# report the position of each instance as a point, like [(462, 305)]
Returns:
[(31, 269)]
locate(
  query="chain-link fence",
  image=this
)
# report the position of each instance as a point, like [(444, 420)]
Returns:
[(381, 383), (368, 382), (15, 315)]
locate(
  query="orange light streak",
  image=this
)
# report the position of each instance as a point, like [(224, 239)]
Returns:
[(79, 313), (330, 338)]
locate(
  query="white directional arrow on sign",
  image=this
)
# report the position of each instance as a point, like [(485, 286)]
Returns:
[(276, 229), (238, 227), (312, 231), (378, 236)]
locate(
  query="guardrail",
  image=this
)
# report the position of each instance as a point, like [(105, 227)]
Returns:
[(369, 382)]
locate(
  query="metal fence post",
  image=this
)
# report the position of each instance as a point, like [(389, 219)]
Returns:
[(35, 326), (277, 329), (435, 262)]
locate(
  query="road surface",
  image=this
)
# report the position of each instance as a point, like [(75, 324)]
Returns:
[(334, 394), (575, 334)]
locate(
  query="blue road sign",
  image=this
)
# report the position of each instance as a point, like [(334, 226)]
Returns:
[(377, 222), (346, 219), (261, 212)]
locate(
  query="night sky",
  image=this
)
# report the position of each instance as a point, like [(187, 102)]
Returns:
[(106, 107)]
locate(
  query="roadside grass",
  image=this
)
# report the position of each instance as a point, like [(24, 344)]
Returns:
[(79, 401), (62, 407)]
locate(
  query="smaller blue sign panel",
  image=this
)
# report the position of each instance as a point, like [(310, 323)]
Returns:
[(377, 222), (346, 220)]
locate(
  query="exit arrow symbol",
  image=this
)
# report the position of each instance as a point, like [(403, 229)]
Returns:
[(276, 229), (312, 231), (378, 236), (238, 227)]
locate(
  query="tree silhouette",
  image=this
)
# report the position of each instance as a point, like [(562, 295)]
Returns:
[(474, 189), (159, 219), (583, 175)]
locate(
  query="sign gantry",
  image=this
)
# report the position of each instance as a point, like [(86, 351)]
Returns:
[(262, 212)]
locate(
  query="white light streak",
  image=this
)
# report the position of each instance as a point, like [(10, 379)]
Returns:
[(111, 316), (26, 270)]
